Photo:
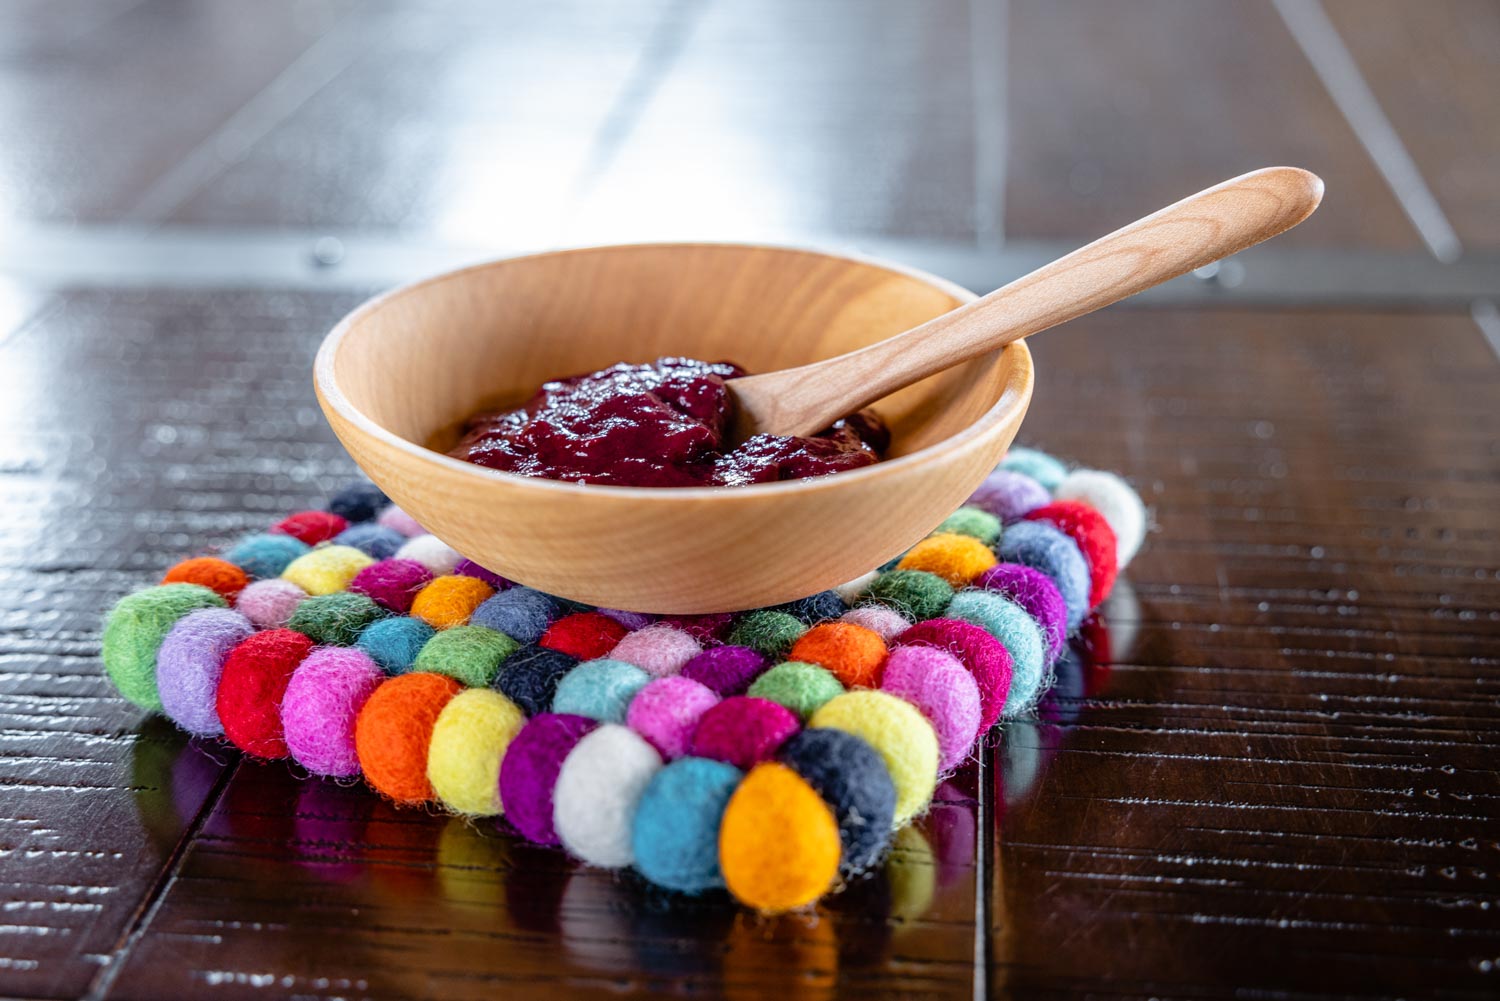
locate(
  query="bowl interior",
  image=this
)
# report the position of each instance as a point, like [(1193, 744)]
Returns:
[(420, 361)]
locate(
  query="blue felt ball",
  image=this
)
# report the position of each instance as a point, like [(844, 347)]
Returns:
[(529, 677), (821, 607), (1018, 632), (375, 541), (394, 643), (599, 689), (1040, 466), (520, 613), (359, 501), (851, 777), (675, 835), (1040, 545), (265, 556)]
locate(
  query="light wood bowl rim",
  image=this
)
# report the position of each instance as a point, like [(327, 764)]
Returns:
[(1016, 394)]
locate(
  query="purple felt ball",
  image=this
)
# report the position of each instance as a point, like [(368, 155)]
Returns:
[(322, 701), (743, 731), (667, 711), (1009, 495), (392, 584), (468, 568), (937, 683), (728, 670), (529, 770), (189, 662), (1037, 594), (630, 620), (395, 518), (659, 650), (269, 604), (887, 623)]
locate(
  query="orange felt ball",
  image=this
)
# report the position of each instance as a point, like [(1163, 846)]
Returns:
[(219, 576), (449, 601), (958, 559), (851, 653), (778, 841), (393, 730)]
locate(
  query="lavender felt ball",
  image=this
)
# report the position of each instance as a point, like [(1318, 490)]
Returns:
[(189, 662)]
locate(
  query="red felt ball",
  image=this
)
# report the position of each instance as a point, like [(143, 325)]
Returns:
[(1086, 527), (254, 679), (311, 527), (219, 576), (585, 635)]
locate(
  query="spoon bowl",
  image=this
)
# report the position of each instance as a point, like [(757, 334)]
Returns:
[(398, 377)]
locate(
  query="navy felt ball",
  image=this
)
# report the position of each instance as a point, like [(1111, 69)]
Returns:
[(359, 501), (529, 677), (851, 777)]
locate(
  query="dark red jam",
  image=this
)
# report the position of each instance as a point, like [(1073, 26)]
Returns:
[(659, 425)]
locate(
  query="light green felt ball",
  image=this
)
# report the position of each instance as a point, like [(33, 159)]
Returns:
[(973, 522), (471, 654), (134, 629), (801, 687)]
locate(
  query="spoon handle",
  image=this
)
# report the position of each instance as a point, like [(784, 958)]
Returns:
[(1198, 230)]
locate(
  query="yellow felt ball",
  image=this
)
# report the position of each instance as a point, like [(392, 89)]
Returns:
[(449, 601), (778, 841), (902, 735), (958, 559), (468, 741), (327, 569)]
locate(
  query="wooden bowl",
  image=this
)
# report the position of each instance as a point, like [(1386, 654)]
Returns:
[(398, 376)]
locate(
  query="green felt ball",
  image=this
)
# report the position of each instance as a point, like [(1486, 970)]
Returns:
[(916, 594), (335, 619), (771, 634), (802, 688), (134, 629), (974, 522), (471, 654)]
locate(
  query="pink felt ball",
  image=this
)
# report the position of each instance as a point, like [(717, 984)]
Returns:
[(666, 712), (322, 701), (392, 584), (886, 622), (398, 520), (937, 683), (269, 604), (743, 730), (658, 650), (985, 657)]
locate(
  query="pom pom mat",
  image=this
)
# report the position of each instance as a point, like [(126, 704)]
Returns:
[(777, 752)]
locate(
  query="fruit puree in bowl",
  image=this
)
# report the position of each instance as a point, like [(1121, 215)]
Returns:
[(657, 425)]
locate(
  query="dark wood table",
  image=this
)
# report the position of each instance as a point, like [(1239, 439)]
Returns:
[(1273, 775)]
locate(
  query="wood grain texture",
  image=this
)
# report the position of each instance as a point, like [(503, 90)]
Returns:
[(1198, 230), (406, 371), (1117, 105)]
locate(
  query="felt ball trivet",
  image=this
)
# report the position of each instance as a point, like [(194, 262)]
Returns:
[(770, 751)]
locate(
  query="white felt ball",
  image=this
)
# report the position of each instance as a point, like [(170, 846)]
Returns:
[(432, 552), (1113, 498), (598, 788), (851, 591)]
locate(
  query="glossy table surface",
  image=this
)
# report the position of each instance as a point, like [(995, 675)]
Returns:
[(1269, 772)]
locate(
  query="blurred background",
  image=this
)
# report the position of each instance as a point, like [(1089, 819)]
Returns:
[(1271, 775)]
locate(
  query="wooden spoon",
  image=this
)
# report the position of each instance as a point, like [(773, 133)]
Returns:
[(1198, 230)]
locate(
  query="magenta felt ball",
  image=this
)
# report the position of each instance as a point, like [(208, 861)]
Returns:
[(887, 623), (529, 770), (395, 518), (392, 584), (985, 657), (1037, 594), (937, 683), (728, 670), (1009, 495), (322, 701), (269, 604), (189, 662), (666, 712), (743, 731), (658, 650)]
